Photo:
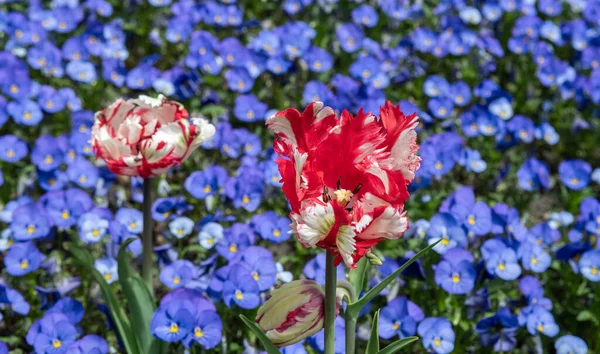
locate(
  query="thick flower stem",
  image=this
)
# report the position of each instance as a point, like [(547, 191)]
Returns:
[(147, 249), (350, 334), (346, 290), (330, 303)]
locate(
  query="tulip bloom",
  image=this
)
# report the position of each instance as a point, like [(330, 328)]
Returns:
[(346, 178), (147, 136), (295, 311)]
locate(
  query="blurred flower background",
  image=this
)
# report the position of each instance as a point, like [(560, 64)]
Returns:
[(508, 95)]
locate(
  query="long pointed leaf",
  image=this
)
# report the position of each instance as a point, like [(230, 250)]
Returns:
[(370, 295), (357, 276), (266, 342), (119, 317), (397, 345), (139, 299), (373, 343)]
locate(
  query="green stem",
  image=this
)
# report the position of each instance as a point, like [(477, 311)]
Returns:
[(330, 303), (349, 294), (147, 249)]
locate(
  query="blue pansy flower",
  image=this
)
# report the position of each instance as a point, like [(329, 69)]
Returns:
[(83, 173), (173, 321), (500, 260), (132, 219), (201, 184), (396, 319), (90, 344), (107, 267), (71, 308), (248, 108), (65, 207), (444, 227), (455, 272), (47, 154), (589, 265), (181, 227), (210, 235), (569, 344), (498, 331), (365, 15), (350, 37), (14, 300), (534, 257), (240, 288), (25, 112), (259, 261), (246, 189), (541, 321), (29, 222), (52, 334), (575, 174), (533, 174), (437, 335), (92, 227), (272, 227), (236, 238), (178, 274)]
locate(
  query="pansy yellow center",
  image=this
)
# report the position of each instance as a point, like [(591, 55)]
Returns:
[(540, 328), (501, 266), (471, 220), (166, 214), (455, 278), (176, 280), (233, 248), (445, 241), (239, 295), (437, 342), (82, 179), (207, 189), (246, 199), (10, 153), (108, 276), (65, 214), (574, 180), (174, 328), (24, 264), (594, 270), (442, 111), (30, 229), (255, 276), (534, 261), (396, 326), (198, 333), (276, 233), (438, 165), (48, 159), (210, 240), (132, 225), (56, 343), (14, 89)]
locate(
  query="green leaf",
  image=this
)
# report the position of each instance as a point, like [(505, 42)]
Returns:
[(355, 308), (116, 311), (357, 276), (159, 347), (587, 315), (139, 299), (266, 342), (373, 343), (397, 345)]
